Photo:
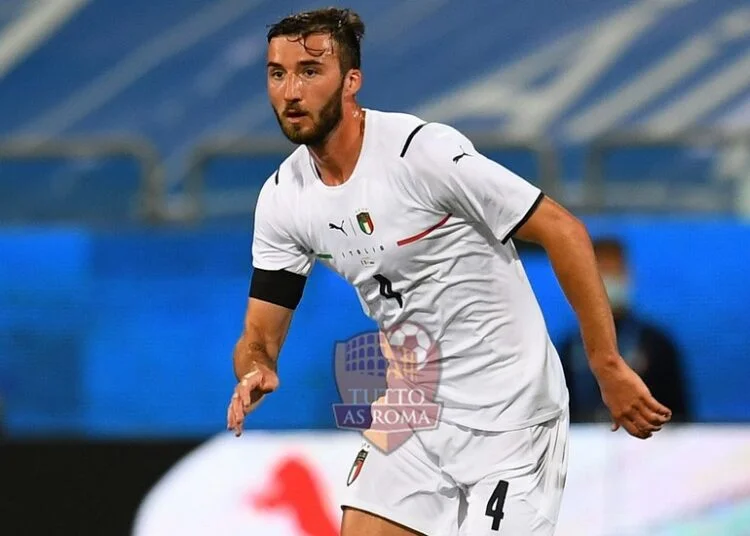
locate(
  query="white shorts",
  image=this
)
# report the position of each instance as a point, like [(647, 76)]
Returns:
[(454, 480)]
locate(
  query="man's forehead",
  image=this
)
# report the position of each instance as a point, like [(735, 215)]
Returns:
[(295, 48)]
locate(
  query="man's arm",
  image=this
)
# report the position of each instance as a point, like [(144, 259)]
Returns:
[(569, 248), (280, 268), (481, 190), (266, 326), (255, 356)]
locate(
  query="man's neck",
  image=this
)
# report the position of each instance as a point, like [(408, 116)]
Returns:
[(336, 158)]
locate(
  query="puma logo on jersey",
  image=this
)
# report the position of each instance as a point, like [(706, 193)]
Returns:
[(339, 227), (459, 157)]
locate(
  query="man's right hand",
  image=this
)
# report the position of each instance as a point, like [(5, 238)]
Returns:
[(248, 394)]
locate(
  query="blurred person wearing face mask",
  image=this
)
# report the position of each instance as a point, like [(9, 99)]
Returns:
[(648, 349)]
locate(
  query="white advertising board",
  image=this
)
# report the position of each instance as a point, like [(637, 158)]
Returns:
[(684, 481)]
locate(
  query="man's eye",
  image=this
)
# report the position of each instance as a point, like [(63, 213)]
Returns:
[(277, 75), (310, 72)]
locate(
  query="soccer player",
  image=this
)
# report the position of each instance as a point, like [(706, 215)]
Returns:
[(423, 226)]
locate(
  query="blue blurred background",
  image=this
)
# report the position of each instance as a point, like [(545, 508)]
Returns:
[(134, 138)]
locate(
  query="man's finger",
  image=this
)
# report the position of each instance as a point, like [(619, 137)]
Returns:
[(642, 424), (248, 384), (656, 420), (239, 417), (244, 397), (238, 429), (233, 413), (230, 414), (269, 382), (231, 419), (630, 427), (635, 430), (656, 406)]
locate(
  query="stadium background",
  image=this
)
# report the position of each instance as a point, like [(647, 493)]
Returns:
[(134, 137)]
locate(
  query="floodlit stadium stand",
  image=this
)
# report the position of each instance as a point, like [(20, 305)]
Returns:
[(176, 74)]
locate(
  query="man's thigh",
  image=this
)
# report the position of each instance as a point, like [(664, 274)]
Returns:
[(401, 492), (524, 498), (360, 523), (498, 508)]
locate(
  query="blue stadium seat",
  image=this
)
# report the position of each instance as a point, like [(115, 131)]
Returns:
[(178, 72)]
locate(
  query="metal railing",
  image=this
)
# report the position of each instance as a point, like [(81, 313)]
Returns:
[(726, 189), (194, 204), (151, 193), (549, 176)]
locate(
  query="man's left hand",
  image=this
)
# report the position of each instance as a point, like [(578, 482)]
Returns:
[(630, 402)]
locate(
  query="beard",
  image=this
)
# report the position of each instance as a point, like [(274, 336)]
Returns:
[(328, 119)]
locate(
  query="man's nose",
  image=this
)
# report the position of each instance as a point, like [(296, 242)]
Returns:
[(292, 89)]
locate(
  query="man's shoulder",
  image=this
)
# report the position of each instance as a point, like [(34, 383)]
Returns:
[(408, 134), (395, 121), (289, 173), (291, 168), (286, 180)]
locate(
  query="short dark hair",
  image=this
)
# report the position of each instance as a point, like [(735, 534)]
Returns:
[(343, 25), (609, 244)]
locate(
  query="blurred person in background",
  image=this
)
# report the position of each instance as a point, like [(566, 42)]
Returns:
[(647, 348)]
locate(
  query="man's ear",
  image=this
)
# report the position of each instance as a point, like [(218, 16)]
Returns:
[(353, 82)]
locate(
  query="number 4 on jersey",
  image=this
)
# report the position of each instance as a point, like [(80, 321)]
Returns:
[(496, 503)]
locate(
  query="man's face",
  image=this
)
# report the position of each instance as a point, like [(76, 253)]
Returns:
[(305, 86), (611, 263), (614, 273)]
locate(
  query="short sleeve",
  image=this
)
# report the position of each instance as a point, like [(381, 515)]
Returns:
[(462, 181), (275, 246)]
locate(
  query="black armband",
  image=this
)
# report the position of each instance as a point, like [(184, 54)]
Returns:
[(280, 287)]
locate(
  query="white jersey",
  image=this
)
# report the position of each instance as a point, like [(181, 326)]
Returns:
[(422, 230)]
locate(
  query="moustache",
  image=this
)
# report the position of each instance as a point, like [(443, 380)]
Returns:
[(294, 112)]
